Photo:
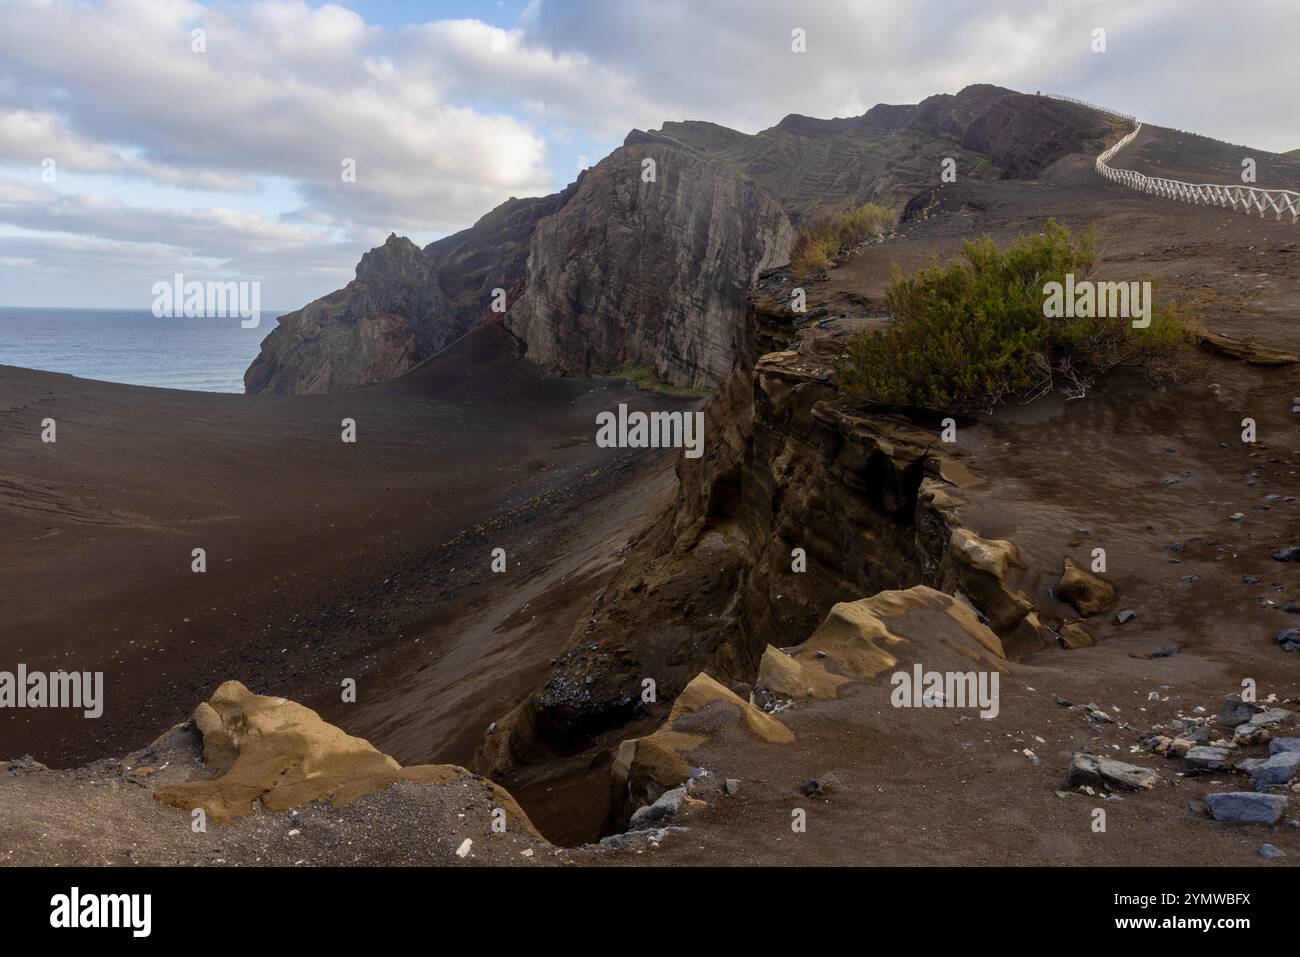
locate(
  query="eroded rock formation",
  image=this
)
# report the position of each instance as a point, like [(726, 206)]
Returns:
[(276, 754), (802, 501)]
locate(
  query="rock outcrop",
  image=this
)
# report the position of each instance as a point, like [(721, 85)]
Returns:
[(621, 269), (405, 304), (276, 754), (650, 274), (648, 767), (1084, 590), (865, 638)]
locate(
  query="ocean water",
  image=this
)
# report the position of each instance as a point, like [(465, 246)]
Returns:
[(118, 345)]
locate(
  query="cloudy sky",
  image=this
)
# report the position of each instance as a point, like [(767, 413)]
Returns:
[(226, 162)]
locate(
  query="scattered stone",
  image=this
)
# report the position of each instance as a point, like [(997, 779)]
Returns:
[(1125, 616), (1235, 711), (1272, 718), (1271, 852), (662, 809), (1170, 747), (1249, 734), (1164, 651), (820, 786), (1200, 734), (1281, 745), (1275, 771), (1289, 639), (463, 850), (731, 786), (1097, 769), (1245, 807), (1204, 758), (1094, 713), (703, 784), (1289, 554)]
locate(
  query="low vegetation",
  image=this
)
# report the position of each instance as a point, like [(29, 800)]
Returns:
[(644, 379), (816, 245), (968, 334)]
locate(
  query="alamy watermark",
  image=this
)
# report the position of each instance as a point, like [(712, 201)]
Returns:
[(130, 911), (1086, 299), (651, 430), (946, 689), (208, 300), (54, 689)]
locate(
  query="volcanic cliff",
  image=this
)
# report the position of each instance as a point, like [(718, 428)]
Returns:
[(644, 260)]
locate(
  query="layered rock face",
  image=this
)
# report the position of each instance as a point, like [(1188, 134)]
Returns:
[(800, 502), (405, 304), (618, 271), (649, 274)]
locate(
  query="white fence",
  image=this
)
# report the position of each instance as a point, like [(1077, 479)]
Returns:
[(1093, 106), (1247, 199)]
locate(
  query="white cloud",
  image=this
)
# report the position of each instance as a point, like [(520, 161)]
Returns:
[(446, 119), (1218, 68)]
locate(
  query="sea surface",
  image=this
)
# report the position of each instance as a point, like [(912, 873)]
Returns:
[(119, 345)]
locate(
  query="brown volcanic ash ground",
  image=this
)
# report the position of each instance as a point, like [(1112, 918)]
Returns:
[(325, 559), (345, 570)]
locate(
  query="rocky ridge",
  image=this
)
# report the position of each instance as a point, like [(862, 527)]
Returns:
[(633, 266)]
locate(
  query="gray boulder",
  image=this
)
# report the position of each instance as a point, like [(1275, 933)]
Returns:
[(1245, 807), (1235, 711), (662, 809), (1204, 758), (1272, 718), (1275, 771)]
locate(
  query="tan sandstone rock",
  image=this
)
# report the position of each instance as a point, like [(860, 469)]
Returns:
[(863, 639), (278, 754), (1085, 591), (647, 767)]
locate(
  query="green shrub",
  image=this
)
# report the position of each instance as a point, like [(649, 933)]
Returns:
[(816, 245), (966, 335)]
